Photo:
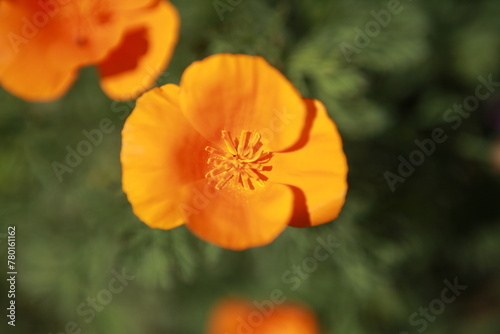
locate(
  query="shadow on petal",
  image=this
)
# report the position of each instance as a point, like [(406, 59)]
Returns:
[(304, 138), (300, 217), (126, 56)]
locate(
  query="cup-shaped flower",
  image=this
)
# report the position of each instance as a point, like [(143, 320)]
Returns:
[(235, 315), (43, 44), (234, 152)]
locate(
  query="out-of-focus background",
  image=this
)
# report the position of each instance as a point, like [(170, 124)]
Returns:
[(416, 97)]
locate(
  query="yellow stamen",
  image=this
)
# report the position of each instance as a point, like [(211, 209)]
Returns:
[(241, 163)]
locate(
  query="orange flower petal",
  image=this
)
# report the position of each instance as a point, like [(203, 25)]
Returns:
[(238, 219), (46, 49), (290, 319), (44, 43), (9, 17), (25, 81), (227, 316), (85, 33), (233, 316), (143, 54), (23, 71), (317, 166), (160, 154), (240, 92), (132, 4)]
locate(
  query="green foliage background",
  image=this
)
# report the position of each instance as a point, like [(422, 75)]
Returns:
[(396, 248)]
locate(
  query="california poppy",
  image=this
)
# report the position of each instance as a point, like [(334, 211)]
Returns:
[(233, 316), (43, 44), (234, 152)]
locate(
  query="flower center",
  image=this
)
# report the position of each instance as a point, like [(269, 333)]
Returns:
[(242, 161)]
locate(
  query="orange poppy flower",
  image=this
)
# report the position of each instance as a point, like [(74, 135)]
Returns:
[(234, 316), (43, 43), (234, 152)]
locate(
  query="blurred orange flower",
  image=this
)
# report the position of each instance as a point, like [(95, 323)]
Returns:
[(235, 316), (43, 43), (234, 152)]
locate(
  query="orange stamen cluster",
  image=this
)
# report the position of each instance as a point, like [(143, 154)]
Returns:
[(242, 161)]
